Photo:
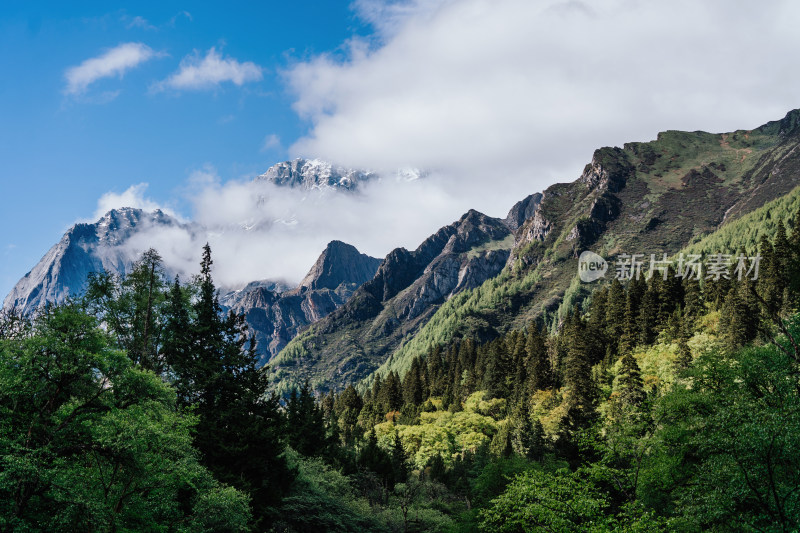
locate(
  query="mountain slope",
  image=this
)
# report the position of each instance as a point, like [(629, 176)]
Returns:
[(275, 316), (651, 198), (340, 263), (407, 289), (101, 246), (84, 249)]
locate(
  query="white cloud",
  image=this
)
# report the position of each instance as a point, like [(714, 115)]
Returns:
[(207, 72), (498, 98), (271, 141), (261, 231), (180, 14), (133, 196), (140, 22), (512, 95), (113, 62), (388, 17)]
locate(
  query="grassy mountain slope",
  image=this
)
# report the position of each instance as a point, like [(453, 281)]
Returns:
[(655, 197), (746, 231)]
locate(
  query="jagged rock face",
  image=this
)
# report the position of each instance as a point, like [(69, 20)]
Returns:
[(340, 263), (406, 290), (534, 229), (454, 269), (608, 170), (87, 248), (276, 314), (314, 174), (433, 271), (603, 178), (276, 318), (84, 249), (522, 211), (647, 197)]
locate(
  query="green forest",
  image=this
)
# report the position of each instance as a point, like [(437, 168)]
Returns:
[(662, 404)]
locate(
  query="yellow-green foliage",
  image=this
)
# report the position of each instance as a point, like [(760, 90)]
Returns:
[(444, 433), (548, 406), (477, 403), (656, 363)]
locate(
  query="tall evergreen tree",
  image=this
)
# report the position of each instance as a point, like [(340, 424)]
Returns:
[(769, 278), (348, 406), (239, 430), (412, 384), (615, 314), (630, 384), (540, 374), (738, 323), (794, 263), (578, 375), (399, 464), (496, 378), (371, 457), (684, 356), (693, 303), (647, 319), (391, 393), (527, 438), (305, 422)]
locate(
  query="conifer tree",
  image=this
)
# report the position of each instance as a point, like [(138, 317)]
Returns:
[(495, 377), (615, 313), (738, 323), (671, 295), (630, 381), (348, 406), (412, 384), (527, 439), (647, 319), (684, 357), (693, 303), (239, 430), (630, 336), (783, 256), (501, 445), (794, 263), (391, 394), (539, 372), (372, 457), (434, 374), (399, 465), (305, 422), (466, 358), (578, 375), (769, 278)]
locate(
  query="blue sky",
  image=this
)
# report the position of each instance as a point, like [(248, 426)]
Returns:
[(179, 105), (61, 151)]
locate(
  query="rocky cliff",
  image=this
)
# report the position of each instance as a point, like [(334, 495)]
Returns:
[(407, 289), (85, 248), (276, 314)]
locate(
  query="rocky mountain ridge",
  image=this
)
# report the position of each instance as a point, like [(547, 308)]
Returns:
[(649, 197), (407, 289), (310, 174), (276, 314), (85, 248)]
